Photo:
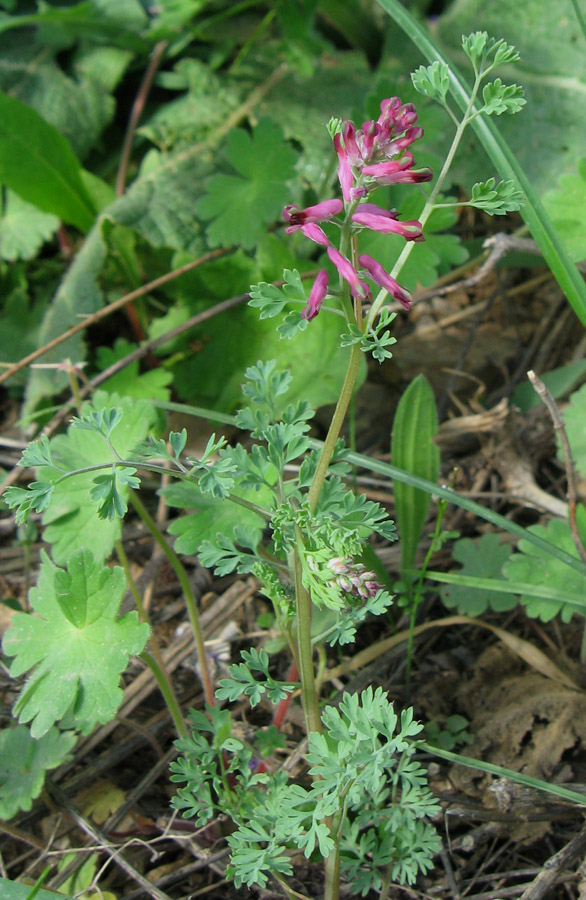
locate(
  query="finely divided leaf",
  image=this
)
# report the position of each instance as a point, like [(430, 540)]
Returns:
[(74, 648)]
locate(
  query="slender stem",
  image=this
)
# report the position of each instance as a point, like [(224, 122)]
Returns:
[(335, 426), (419, 590), (167, 691), (190, 600), (305, 651), (430, 203), (161, 674), (137, 107)]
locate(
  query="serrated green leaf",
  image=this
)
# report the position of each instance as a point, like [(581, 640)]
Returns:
[(23, 764), (413, 449), (151, 385), (432, 81), (242, 206), (532, 566), (23, 228), (502, 98), (37, 162), (74, 661), (71, 521), (483, 559)]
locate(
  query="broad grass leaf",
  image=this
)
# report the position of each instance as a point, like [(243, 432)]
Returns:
[(74, 648), (23, 764), (413, 450)]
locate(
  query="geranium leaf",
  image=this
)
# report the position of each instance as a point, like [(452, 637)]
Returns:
[(23, 763), (74, 647), (241, 206)]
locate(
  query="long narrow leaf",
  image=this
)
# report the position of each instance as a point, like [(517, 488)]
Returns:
[(545, 235), (375, 465), (510, 587)]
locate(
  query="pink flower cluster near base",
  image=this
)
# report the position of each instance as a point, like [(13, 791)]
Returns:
[(374, 155)]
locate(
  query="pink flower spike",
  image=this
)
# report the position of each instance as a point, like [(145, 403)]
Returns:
[(314, 233), (345, 175), (358, 288), (317, 295), (296, 217), (411, 230), (380, 276)]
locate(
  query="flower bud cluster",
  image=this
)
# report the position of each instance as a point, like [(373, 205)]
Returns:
[(374, 155), (353, 578)]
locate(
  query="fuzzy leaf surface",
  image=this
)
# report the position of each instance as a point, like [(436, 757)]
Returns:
[(74, 647)]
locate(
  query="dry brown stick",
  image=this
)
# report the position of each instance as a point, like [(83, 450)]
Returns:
[(496, 246), (112, 307), (550, 872), (52, 426), (136, 112), (95, 834), (559, 426)]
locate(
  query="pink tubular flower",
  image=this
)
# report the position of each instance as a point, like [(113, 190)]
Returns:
[(397, 171), (359, 289), (317, 295), (296, 217), (345, 176), (385, 224), (380, 276), (314, 233)]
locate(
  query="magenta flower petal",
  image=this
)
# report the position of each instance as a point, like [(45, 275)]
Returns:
[(358, 288), (411, 230), (380, 276), (314, 233), (345, 176), (377, 210), (296, 217), (317, 295)]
